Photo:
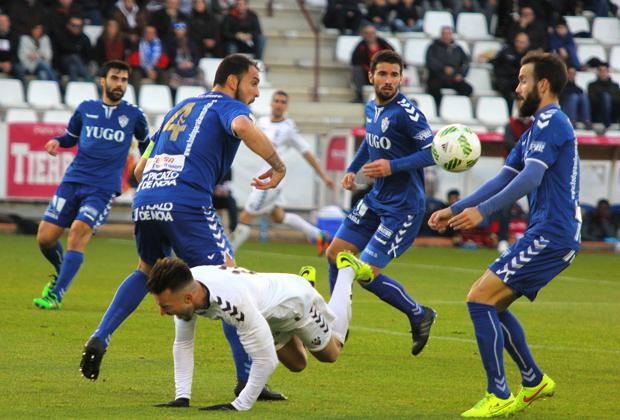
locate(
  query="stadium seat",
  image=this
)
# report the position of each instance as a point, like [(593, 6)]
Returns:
[(485, 48), (584, 78), (480, 79), (411, 78), (395, 43), (44, 94), (262, 105), (57, 116), (156, 123), (264, 82), (79, 91), (588, 51), (606, 30), (577, 24), (464, 45), (472, 26), (93, 32), (345, 44), (130, 95), (456, 109), (426, 103), (614, 58), (492, 111), (12, 93), (209, 67), (415, 51), (435, 20), (155, 99), (184, 92), (20, 115)]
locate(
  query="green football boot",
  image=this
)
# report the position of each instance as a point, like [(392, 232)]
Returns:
[(528, 394), (49, 302), (363, 272), (308, 272), (490, 406), (49, 286)]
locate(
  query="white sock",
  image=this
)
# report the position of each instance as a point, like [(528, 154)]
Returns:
[(295, 221), (240, 235), (340, 302)]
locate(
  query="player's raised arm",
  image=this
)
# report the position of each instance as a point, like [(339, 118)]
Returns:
[(139, 169)]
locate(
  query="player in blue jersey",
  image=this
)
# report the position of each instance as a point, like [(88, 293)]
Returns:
[(103, 130), (544, 164), (385, 222), (172, 210)]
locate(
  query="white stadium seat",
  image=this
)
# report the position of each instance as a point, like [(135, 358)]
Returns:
[(57, 116), (464, 45), (480, 79), (411, 78), (184, 92), (588, 51), (20, 115), (262, 105), (606, 30), (155, 99), (130, 95), (77, 92), (472, 26), (209, 67), (395, 43), (435, 20), (415, 51), (584, 78), (262, 68), (12, 93), (492, 111), (44, 94), (93, 32), (345, 44), (577, 24), (484, 48), (456, 109), (156, 123), (426, 103), (614, 57)]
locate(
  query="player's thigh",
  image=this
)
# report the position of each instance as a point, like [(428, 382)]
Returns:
[(329, 353), (531, 263), (490, 290), (392, 237), (262, 201), (293, 355), (152, 242), (95, 205), (356, 229)]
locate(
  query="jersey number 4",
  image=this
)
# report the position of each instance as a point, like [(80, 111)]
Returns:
[(176, 123)]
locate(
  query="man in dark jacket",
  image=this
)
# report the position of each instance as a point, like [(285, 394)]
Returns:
[(574, 101), (344, 15), (9, 64), (534, 28), (204, 30), (362, 54), (447, 66), (604, 96), (241, 31), (72, 49), (506, 66)]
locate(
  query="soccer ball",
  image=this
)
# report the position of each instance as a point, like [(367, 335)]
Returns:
[(455, 148)]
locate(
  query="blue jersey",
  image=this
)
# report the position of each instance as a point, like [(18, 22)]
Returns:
[(194, 149), (554, 205), (393, 131), (103, 134)]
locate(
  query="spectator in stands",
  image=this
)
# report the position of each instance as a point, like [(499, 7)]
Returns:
[(25, 14), (378, 15), (204, 30), (35, 54), (93, 10), (131, 18), (506, 66), (574, 101), (59, 16), (599, 224), (220, 8), (149, 61), (526, 22), (111, 45), (344, 15), (447, 65), (73, 49), (562, 43), (604, 96), (165, 19), (241, 31), (408, 17), (184, 56), (9, 40), (465, 6), (362, 54)]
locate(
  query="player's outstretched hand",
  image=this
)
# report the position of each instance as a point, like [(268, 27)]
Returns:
[(348, 181), (377, 169), (52, 146), (329, 183), (178, 403), (467, 219), (219, 407), (268, 180), (439, 219)]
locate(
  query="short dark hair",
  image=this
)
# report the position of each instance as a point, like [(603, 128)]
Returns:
[(169, 273), (386, 56), (280, 93), (235, 64), (453, 192), (548, 66), (114, 64)]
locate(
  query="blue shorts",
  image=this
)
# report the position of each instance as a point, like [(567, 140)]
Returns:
[(380, 235), (74, 201), (531, 263), (194, 233)]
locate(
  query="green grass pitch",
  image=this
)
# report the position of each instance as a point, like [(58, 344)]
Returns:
[(573, 329)]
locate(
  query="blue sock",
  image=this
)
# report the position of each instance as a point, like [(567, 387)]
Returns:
[(127, 298), (491, 345), (514, 341), (68, 270), (333, 275), (241, 358), (392, 292), (54, 255)]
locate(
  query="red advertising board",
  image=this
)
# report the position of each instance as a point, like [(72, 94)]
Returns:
[(32, 173)]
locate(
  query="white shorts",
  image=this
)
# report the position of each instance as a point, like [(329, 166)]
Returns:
[(264, 201)]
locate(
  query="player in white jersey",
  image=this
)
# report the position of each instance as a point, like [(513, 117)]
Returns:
[(265, 308), (285, 136)]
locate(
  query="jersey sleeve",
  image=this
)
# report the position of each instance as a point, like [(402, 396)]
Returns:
[(299, 143), (416, 127), (230, 111), (514, 160), (141, 129), (545, 147), (73, 130)]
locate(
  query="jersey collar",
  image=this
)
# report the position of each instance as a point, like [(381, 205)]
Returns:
[(546, 108)]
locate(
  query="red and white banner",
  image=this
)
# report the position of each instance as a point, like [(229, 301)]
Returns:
[(31, 172)]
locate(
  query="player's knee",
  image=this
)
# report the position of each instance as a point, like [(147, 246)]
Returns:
[(45, 237), (297, 366), (332, 253)]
